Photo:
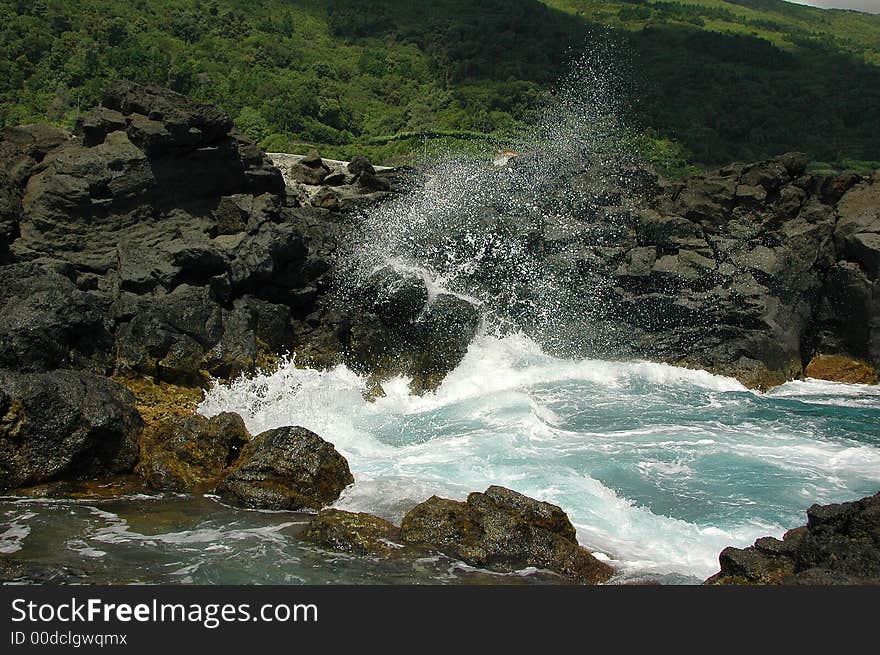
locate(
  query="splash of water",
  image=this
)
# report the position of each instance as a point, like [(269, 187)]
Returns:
[(658, 467), (478, 229)]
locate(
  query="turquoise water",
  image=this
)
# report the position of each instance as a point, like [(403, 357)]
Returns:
[(658, 467)]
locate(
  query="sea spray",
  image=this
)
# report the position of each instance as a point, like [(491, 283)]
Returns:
[(479, 230)]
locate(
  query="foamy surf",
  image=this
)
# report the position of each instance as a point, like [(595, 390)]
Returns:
[(658, 467)]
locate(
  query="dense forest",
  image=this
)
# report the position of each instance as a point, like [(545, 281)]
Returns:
[(700, 81)]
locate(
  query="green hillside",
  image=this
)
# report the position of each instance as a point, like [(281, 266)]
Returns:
[(703, 80)]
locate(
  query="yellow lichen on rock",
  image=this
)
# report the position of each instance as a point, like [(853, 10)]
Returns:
[(840, 368), (159, 401)]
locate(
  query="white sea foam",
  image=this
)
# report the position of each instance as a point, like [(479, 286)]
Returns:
[(659, 467), (15, 533)]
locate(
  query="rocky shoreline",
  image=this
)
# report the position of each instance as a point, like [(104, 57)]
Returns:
[(156, 249)]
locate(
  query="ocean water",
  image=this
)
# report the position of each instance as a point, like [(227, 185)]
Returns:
[(659, 468)]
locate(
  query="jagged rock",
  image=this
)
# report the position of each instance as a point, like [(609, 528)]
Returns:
[(744, 270), (64, 424), (839, 545), (190, 454), (185, 335), (303, 174), (312, 159), (287, 468), (47, 322), (360, 165), (396, 331), (147, 151), (335, 178), (396, 297), (359, 534), (371, 183), (503, 530), (326, 199), (23, 148), (186, 123), (168, 260), (445, 331)]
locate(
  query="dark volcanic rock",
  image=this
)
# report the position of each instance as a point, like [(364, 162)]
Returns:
[(159, 242), (396, 297), (22, 150), (445, 330), (356, 533), (839, 545), (130, 167), (287, 468), (177, 252), (186, 123), (65, 424), (395, 330), (307, 174), (360, 165), (191, 454), (187, 334), (503, 530), (750, 270), (47, 322)]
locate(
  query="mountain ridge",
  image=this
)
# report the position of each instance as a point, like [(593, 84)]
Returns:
[(706, 81)]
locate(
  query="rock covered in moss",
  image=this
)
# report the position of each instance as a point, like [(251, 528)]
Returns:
[(356, 533), (839, 545), (503, 530), (191, 454), (287, 468), (64, 424), (840, 368)]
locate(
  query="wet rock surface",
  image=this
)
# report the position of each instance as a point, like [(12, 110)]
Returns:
[(839, 545), (503, 530), (750, 270), (67, 424), (287, 468), (191, 454), (356, 533), (398, 329)]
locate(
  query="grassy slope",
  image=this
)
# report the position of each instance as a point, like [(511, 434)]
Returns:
[(725, 79)]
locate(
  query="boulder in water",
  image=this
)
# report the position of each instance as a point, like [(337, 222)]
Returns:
[(356, 533), (446, 330), (287, 468), (399, 332), (191, 454), (64, 424), (396, 297), (839, 545), (502, 530)]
